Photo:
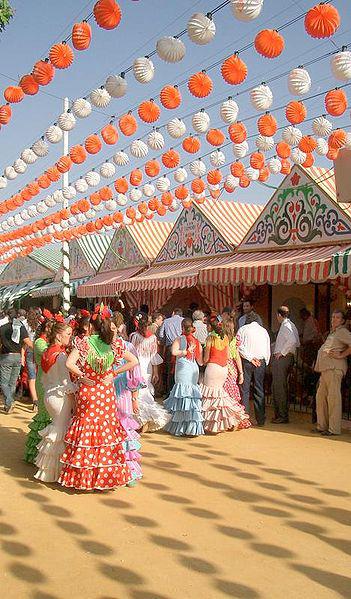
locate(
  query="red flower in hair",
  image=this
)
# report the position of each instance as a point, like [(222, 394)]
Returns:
[(47, 314), (59, 318), (85, 313)]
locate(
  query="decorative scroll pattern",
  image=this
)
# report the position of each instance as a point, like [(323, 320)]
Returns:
[(79, 265), (23, 270), (122, 253)]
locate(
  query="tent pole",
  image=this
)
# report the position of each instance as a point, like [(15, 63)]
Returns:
[(65, 244)]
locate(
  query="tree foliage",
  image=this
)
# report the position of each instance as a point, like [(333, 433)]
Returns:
[(6, 13)]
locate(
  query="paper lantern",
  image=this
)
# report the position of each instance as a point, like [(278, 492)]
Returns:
[(121, 185), (171, 159), (309, 161), (295, 112), (43, 72), (61, 55), (299, 82), (139, 149), (81, 186), (135, 194), (128, 124), (121, 199), (109, 134), (81, 35), (264, 174), (264, 143), (257, 160), (5, 114), (332, 154), (267, 125), (337, 139), (40, 148), (170, 97), (180, 175), (322, 147), (198, 168), (28, 156), (93, 144), (240, 150), (285, 167), (246, 10), (176, 128), (170, 49), (143, 69), (149, 111), (191, 144), (229, 111), (217, 159), (54, 134), (283, 149), (136, 177), (292, 135), (269, 43), (201, 29), (29, 85), (198, 186), (231, 182), (100, 97), (322, 21), (201, 121), (78, 154), (297, 156), (181, 192), (307, 144), (64, 164), (3, 182), (107, 14), (20, 166), (81, 108), (69, 192), (121, 158), (92, 178), (214, 177), (252, 173), (341, 65), (149, 190), (13, 94), (163, 184), (107, 170), (200, 85), (116, 86), (155, 140), (336, 102), (53, 173), (215, 137), (10, 173), (234, 70), (237, 132), (66, 121), (261, 97), (44, 181), (244, 181), (274, 166)]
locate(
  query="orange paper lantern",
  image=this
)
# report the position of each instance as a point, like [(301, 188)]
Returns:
[(64, 164), (109, 134), (77, 154), (307, 144), (214, 177), (5, 114), (170, 97), (322, 21), (198, 185), (53, 173), (167, 198), (121, 185), (234, 70), (283, 149), (269, 43), (309, 161), (215, 137), (29, 85), (171, 159), (61, 55), (149, 112), (105, 194), (237, 169), (107, 14), (336, 140), (136, 177), (128, 124), (43, 72), (286, 167), (267, 125), (152, 168), (81, 35), (191, 144), (200, 85), (181, 192), (237, 132), (257, 160), (93, 144), (13, 94), (336, 102), (295, 112)]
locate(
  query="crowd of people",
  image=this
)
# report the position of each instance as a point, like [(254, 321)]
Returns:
[(94, 376)]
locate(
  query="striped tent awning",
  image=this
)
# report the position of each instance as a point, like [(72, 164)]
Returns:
[(106, 284), (56, 287), (341, 265), (10, 294), (307, 265)]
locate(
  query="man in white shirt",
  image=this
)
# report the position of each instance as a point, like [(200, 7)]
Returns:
[(248, 308), (283, 359), (201, 332), (255, 351)]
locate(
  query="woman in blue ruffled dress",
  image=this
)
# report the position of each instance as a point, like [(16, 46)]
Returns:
[(185, 402)]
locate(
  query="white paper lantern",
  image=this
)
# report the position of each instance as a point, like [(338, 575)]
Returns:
[(232, 182), (18, 220), (121, 158), (246, 10), (217, 158), (201, 29), (81, 108), (91, 213), (261, 97), (143, 69), (299, 82), (10, 173), (149, 190), (10, 221), (111, 205), (201, 122), (42, 207), (69, 192), (32, 211), (54, 134), (40, 148), (341, 65), (176, 128), (252, 173), (240, 150), (163, 184), (292, 135), (322, 127), (28, 155), (139, 149), (198, 168), (100, 97), (180, 175), (66, 121), (3, 182), (50, 201), (81, 186), (99, 207), (155, 140), (170, 49), (81, 218), (116, 85), (107, 170), (92, 178), (274, 166), (135, 194), (229, 111), (264, 143), (200, 196), (72, 221), (297, 156), (24, 214), (20, 166), (58, 196), (322, 148), (121, 199), (174, 206)]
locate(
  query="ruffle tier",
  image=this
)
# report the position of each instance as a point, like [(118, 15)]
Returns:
[(102, 479), (50, 450), (151, 413), (220, 412), (184, 404), (40, 421), (132, 445), (95, 432)]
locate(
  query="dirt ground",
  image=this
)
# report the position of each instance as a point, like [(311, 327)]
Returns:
[(263, 513)]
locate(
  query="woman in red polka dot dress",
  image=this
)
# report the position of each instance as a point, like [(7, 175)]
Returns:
[(94, 456)]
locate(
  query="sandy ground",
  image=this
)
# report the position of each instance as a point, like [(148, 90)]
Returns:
[(263, 513)]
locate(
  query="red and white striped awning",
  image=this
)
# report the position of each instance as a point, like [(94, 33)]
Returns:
[(105, 284), (282, 267)]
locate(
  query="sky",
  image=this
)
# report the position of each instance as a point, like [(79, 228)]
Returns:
[(38, 24)]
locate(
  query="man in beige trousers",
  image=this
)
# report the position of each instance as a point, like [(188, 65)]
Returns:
[(332, 364)]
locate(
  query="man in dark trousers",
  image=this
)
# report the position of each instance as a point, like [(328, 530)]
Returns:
[(283, 359)]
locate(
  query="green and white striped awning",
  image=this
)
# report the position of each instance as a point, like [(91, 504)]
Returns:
[(341, 264), (56, 287), (14, 292)]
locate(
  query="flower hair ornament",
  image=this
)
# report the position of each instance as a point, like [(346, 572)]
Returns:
[(47, 315), (85, 313), (102, 311), (59, 318)]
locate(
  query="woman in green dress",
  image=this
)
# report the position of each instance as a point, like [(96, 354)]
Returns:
[(42, 418)]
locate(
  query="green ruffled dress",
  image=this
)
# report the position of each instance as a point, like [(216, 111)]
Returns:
[(42, 418)]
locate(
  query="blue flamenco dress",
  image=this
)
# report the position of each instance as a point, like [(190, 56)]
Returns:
[(185, 401)]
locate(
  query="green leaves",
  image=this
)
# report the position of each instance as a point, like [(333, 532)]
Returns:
[(6, 13)]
